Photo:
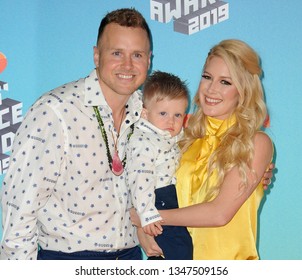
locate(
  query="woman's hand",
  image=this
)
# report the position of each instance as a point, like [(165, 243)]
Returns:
[(268, 175)]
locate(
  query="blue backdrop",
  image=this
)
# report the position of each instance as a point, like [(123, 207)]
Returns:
[(48, 43)]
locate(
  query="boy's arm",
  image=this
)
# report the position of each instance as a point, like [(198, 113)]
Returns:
[(141, 179)]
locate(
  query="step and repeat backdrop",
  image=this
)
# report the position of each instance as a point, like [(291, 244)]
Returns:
[(44, 44)]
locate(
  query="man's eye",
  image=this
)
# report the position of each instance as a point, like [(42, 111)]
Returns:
[(137, 55)]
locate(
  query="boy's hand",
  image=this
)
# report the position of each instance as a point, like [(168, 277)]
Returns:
[(153, 229)]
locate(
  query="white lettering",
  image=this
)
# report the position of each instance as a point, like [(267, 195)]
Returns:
[(223, 12), (3, 124), (7, 142), (190, 6), (190, 16), (16, 113), (205, 3), (4, 162)]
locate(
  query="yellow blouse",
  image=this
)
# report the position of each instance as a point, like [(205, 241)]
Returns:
[(236, 240)]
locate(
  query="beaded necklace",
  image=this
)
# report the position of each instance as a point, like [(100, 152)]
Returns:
[(116, 165)]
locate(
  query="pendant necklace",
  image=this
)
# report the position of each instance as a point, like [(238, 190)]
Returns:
[(115, 163)]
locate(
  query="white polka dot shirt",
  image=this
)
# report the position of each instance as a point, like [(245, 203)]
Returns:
[(59, 191), (153, 156)]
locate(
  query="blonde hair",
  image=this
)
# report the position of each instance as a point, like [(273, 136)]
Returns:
[(236, 147)]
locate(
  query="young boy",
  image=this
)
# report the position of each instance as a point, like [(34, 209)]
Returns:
[(152, 159)]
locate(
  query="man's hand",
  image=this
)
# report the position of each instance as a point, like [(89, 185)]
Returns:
[(148, 244)]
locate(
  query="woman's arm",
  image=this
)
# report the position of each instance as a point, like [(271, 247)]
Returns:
[(222, 209)]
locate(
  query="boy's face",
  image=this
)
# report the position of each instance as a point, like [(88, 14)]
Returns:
[(166, 114)]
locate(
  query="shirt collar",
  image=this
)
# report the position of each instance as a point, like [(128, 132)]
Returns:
[(93, 92), (93, 96), (147, 126)]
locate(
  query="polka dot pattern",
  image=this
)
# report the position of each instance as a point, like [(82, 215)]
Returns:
[(58, 191), (153, 157)]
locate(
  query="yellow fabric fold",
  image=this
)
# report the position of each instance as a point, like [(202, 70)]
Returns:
[(237, 239), (192, 173)]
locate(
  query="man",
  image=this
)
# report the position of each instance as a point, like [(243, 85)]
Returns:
[(65, 190)]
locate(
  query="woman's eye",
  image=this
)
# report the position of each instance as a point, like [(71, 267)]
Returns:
[(207, 77), (227, 83), (162, 113)]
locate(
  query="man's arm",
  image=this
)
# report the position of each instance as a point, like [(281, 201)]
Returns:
[(148, 244), (29, 181)]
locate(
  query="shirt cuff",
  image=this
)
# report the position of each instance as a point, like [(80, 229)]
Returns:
[(149, 217)]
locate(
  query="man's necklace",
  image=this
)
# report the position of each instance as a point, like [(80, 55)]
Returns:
[(116, 165)]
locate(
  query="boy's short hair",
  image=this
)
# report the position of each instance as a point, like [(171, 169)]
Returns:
[(161, 85)]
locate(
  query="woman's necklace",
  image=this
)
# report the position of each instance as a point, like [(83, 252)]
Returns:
[(115, 164)]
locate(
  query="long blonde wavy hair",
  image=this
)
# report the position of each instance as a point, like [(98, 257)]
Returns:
[(236, 147)]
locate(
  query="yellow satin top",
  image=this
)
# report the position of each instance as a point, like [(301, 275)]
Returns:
[(236, 240)]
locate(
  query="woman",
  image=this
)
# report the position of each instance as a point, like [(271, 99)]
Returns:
[(224, 157)]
